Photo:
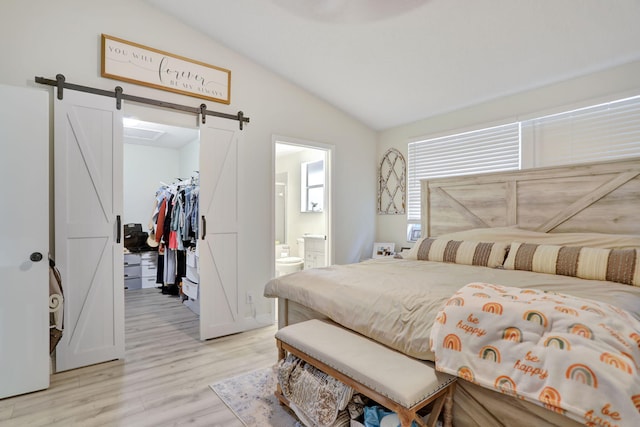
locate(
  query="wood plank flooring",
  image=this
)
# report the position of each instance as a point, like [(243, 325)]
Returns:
[(163, 381)]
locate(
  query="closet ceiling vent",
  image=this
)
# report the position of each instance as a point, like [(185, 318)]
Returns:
[(142, 134)]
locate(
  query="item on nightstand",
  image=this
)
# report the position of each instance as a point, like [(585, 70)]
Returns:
[(381, 250)]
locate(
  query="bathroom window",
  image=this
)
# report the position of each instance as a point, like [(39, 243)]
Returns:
[(312, 186)]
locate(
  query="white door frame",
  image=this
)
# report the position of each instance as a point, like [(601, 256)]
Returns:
[(328, 202)]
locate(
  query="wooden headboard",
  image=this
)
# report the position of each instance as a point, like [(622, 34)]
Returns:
[(595, 197)]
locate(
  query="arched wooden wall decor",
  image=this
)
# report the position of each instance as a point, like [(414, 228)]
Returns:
[(391, 183)]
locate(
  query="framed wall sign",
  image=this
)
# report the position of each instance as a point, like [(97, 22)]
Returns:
[(135, 63)]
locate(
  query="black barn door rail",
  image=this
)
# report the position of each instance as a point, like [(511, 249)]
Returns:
[(118, 94)]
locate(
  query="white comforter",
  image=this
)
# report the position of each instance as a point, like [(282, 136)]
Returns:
[(395, 302)]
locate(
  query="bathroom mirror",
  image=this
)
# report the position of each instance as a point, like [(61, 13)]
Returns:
[(281, 212), (312, 186)]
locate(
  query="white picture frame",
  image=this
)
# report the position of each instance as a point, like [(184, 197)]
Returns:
[(381, 250)]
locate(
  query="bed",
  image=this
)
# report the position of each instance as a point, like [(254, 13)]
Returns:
[(567, 237)]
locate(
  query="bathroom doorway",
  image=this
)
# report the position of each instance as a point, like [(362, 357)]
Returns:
[(302, 205)]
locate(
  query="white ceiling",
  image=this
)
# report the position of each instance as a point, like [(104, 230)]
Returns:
[(157, 135), (392, 62)]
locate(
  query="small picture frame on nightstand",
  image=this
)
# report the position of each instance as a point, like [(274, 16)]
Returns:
[(381, 250)]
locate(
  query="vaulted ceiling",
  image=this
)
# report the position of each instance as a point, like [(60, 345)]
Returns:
[(392, 62)]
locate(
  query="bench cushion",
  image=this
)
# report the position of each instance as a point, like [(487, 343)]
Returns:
[(404, 380)]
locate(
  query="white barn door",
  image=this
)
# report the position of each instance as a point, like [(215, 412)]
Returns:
[(24, 238), (221, 296), (88, 208)]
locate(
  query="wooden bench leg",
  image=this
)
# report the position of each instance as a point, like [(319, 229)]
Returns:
[(281, 351), (444, 405), (405, 418), (435, 411), (448, 406), (278, 392), (408, 417)]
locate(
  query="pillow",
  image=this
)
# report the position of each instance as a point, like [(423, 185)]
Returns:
[(486, 254), (515, 234), (613, 265)]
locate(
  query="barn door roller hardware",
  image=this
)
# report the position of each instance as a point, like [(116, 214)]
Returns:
[(119, 95)]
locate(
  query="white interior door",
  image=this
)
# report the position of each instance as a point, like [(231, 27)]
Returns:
[(88, 210), (24, 230), (221, 299)]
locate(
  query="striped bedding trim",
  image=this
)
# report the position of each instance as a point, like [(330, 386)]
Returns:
[(613, 265), (486, 254)]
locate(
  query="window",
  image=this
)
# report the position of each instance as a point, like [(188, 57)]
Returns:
[(485, 150), (312, 186), (606, 131), (601, 132)]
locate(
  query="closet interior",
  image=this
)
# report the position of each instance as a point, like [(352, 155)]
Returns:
[(161, 210)]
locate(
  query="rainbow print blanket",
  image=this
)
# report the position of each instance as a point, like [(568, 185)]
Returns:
[(578, 357)]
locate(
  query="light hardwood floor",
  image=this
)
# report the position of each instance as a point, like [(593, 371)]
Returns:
[(163, 381)]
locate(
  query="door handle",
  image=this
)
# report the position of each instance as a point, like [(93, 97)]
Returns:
[(36, 257), (119, 226), (204, 226)]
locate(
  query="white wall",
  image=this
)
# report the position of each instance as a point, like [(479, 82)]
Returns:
[(44, 38), (607, 85), (189, 159), (144, 168)]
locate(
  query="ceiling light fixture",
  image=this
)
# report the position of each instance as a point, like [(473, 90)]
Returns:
[(348, 10)]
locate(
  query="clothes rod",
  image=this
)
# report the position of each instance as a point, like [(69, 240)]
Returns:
[(118, 94)]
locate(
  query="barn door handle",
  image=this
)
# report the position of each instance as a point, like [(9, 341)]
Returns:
[(204, 226), (119, 226)]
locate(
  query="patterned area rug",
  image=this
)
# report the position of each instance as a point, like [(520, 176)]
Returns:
[(250, 397)]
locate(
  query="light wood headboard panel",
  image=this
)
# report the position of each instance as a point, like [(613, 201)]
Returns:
[(595, 197)]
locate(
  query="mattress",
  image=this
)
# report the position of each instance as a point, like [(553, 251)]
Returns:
[(395, 301)]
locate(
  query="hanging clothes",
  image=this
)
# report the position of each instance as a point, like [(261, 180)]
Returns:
[(175, 222), (160, 221), (191, 212)]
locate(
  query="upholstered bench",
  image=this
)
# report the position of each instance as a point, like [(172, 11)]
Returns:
[(392, 379)]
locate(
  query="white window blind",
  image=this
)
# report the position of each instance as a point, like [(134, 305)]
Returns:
[(485, 150), (601, 132)]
